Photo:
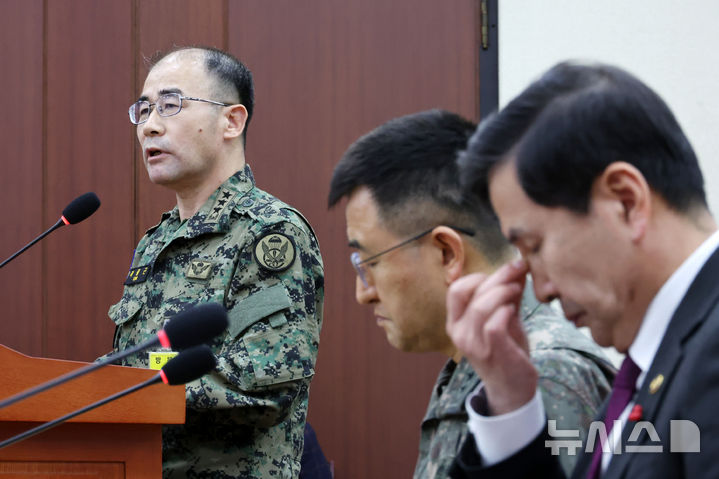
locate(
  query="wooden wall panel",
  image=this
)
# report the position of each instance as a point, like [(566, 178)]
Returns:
[(21, 193), (162, 25), (89, 79), (325, 73)]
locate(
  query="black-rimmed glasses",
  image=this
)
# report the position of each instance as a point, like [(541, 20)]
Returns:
[(168, 104), (359, 263)]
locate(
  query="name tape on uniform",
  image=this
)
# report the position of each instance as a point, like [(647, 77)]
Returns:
[(158, 359)]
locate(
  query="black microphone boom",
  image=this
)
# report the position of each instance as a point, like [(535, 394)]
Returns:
[(189, 328), (79, 209), (190, 364)]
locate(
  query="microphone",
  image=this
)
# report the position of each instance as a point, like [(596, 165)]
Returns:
[(190, 364), (78, 209), (197, 325)]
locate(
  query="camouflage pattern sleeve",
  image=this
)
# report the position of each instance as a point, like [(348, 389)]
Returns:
[(574, 374), (572, 389), (267, 356)]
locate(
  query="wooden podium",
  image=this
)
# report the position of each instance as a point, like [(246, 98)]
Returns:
[(122, 439)]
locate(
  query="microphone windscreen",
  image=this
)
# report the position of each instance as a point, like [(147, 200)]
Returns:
[(190, 364), (81, 207), (197, 325)]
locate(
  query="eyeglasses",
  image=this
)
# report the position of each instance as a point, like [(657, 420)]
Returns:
[(168, 104), (359, 264)]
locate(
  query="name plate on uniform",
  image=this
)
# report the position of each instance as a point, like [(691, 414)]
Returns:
[(159, 358)]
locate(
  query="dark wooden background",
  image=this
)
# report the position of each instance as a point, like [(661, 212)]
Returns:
[(325, 71)]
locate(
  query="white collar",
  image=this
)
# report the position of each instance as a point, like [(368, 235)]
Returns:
[(661, 309)]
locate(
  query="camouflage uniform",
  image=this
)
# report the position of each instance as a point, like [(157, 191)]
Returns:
[(573, 380), (259, 258)]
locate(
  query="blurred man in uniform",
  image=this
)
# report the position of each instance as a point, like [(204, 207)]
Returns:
[(231, 243), (414, 235)]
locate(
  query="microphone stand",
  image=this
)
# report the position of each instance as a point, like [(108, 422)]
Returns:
[(59, 223)]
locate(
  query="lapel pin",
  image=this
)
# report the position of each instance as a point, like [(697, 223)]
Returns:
[(636, 414), (656, 383)]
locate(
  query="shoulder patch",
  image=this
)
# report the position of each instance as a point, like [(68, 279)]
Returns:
[(274, 251)]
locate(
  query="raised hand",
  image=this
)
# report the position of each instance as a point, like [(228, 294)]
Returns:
[(483, 322)]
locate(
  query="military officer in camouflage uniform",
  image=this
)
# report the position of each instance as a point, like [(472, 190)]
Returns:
[(231, 243), (413, 235)]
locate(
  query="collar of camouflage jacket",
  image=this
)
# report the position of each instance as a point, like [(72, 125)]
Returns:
[(214, 215)]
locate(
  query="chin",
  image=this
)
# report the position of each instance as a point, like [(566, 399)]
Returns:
[(156, 177), (161, 179), (160, 173), (601, 337), (157, 181), (398, 344)]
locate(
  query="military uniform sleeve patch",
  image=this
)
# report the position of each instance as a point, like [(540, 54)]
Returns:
[(274, 252)]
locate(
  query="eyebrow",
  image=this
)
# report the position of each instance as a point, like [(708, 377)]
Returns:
[(164, 91), (514, 235), (355, 244)]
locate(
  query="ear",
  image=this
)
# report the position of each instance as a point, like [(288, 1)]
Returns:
[(236, 117), (451, 246), (623, 186)]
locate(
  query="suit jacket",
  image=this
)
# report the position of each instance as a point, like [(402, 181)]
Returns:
[(682, 385)]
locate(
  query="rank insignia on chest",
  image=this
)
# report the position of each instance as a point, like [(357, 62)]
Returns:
[(274, 252), (199, 269), (137, 275)]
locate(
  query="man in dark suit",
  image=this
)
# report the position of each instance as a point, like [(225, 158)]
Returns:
[(594, 182)]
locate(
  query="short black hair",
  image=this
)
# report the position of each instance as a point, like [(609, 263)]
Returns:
[(409, 166), (233, 77), (570, 124)]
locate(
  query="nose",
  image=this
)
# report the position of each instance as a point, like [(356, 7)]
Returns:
[(154, 125), (544, 288), (365, 294)]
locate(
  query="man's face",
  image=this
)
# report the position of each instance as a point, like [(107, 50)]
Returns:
[(181, 151), (405, 286), (585, 261)]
